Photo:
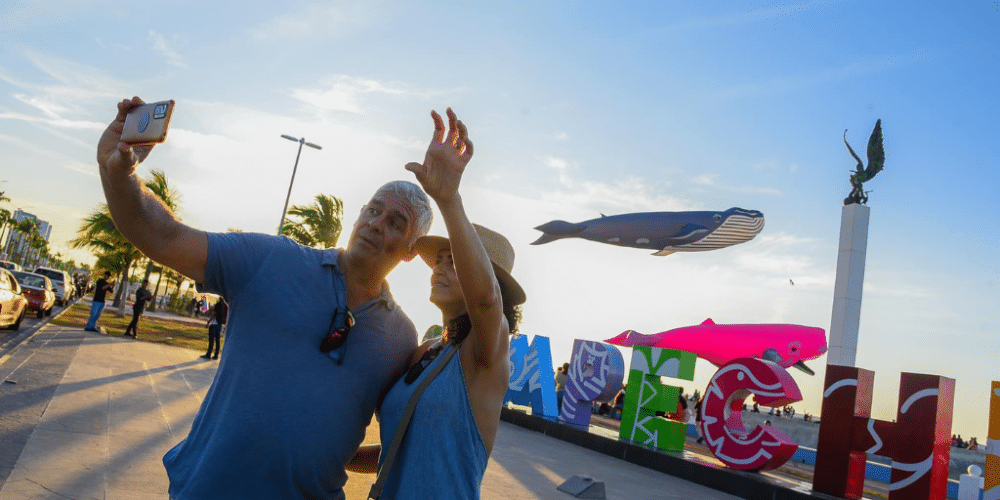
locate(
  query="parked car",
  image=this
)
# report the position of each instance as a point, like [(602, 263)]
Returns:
[(38, 290), (62, 282), (12, 302), (6, 264)]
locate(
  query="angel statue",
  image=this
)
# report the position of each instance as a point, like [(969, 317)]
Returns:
[(876, 161)]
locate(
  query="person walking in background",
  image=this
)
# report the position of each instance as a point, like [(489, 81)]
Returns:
[(216, 321), (697, 417), (142, 296), (561, 375), (97, 306)]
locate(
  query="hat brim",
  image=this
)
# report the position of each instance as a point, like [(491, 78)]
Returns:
[(429, 246)]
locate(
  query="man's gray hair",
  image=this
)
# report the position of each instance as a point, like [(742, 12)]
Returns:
[(418, 200)]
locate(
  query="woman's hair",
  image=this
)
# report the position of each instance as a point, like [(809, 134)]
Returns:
[(459, 327), (511, 311)]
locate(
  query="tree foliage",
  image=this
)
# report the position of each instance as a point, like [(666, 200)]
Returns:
[(317, 224)]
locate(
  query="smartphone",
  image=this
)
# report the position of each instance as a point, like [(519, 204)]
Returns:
[(147, 124)]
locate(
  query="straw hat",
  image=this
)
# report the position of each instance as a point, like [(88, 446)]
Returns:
[(498, 249)]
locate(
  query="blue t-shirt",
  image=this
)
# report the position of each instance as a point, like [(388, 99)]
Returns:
[(282, 418), (443, 454)]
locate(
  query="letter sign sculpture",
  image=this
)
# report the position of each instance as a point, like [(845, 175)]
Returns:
[(646, 395), (532, 382), (992, 480), (595, 374), (918, 442), (763, 448)]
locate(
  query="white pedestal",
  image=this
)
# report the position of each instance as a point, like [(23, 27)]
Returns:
[(843, 342)]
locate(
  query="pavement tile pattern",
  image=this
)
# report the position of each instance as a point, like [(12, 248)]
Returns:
[(89, 416)]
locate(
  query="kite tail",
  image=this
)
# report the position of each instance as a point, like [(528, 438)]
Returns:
[(556, 230)]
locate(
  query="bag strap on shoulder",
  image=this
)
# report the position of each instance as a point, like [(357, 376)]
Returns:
[(397, 439)]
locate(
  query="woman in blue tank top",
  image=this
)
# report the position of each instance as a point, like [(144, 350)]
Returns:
[(451, 433)]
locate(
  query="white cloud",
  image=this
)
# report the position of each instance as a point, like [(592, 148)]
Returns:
[(79, 82), (558, 164), (907, 291), (711, 180), (160, 45), (350, 94), (321, 20), (55, 122), (562, 136), (89, 169)]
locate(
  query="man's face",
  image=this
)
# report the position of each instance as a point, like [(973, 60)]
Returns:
[(384, 230)]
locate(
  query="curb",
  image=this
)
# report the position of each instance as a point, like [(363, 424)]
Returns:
[(18, 341), (742, 484)]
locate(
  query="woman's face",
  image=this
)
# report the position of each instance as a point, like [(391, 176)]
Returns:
[(445, 289)]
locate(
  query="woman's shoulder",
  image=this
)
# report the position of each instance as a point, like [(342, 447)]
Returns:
[(422, 349)]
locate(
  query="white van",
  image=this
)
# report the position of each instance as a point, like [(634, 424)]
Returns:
[(62, 282)]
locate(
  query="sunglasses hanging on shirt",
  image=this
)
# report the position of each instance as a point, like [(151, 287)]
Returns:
[(336, 336), (335, 342)]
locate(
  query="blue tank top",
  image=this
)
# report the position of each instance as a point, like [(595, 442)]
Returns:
[(443, 454)]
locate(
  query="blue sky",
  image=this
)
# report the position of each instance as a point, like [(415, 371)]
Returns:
[(576, 108)]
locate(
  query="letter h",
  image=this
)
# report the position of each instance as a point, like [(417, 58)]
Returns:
[(918, 442)]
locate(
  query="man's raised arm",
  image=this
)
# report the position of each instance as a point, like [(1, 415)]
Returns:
[(139, 214)]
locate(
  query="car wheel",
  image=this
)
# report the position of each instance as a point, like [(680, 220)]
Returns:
[(40, 314), (48, 312), (17, 324)]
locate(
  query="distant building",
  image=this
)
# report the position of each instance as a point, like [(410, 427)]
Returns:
[(15, 244)]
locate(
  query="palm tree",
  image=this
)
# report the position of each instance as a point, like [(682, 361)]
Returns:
[(173, 278), (28, 241), (6, 219), (158, 185), (318, 224), (114, 252)]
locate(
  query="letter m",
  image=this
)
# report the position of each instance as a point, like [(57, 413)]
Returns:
[(532, 382)]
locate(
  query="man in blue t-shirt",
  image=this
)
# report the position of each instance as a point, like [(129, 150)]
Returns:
[(297, 384)]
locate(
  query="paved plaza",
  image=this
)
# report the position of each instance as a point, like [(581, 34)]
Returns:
[(89, 416)]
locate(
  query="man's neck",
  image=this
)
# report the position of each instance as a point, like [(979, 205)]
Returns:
[(364, 283)]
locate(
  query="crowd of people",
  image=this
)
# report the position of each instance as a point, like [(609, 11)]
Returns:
[(957, 442)]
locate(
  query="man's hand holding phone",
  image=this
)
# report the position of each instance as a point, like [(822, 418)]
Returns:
[(123, 145)]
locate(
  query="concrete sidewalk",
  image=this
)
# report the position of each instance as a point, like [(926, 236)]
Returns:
[(90, 416)]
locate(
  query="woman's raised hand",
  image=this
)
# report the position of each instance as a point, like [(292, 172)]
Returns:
[(447, 155)]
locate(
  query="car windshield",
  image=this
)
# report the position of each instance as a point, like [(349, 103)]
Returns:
[(52, 275), (30, 280)]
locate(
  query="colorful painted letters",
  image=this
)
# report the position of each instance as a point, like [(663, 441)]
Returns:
[(918, 442), (595, 373), (763, 448), (646, 395), (991, 490)]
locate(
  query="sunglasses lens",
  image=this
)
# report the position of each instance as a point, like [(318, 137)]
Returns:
[(332, 341)]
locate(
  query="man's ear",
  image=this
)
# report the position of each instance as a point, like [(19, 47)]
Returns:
[(411, 252)]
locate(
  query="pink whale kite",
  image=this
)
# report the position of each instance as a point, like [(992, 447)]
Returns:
[(786, 345)]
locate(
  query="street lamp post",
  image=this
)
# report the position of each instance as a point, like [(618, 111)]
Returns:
[(301, 142)]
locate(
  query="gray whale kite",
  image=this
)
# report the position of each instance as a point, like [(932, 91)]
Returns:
[(665, 232)]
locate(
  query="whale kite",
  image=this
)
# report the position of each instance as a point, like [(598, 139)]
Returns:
[(786, 345), (665, 232)]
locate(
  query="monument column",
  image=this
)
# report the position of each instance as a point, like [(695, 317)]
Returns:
[(847, 291), (851, 256)]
